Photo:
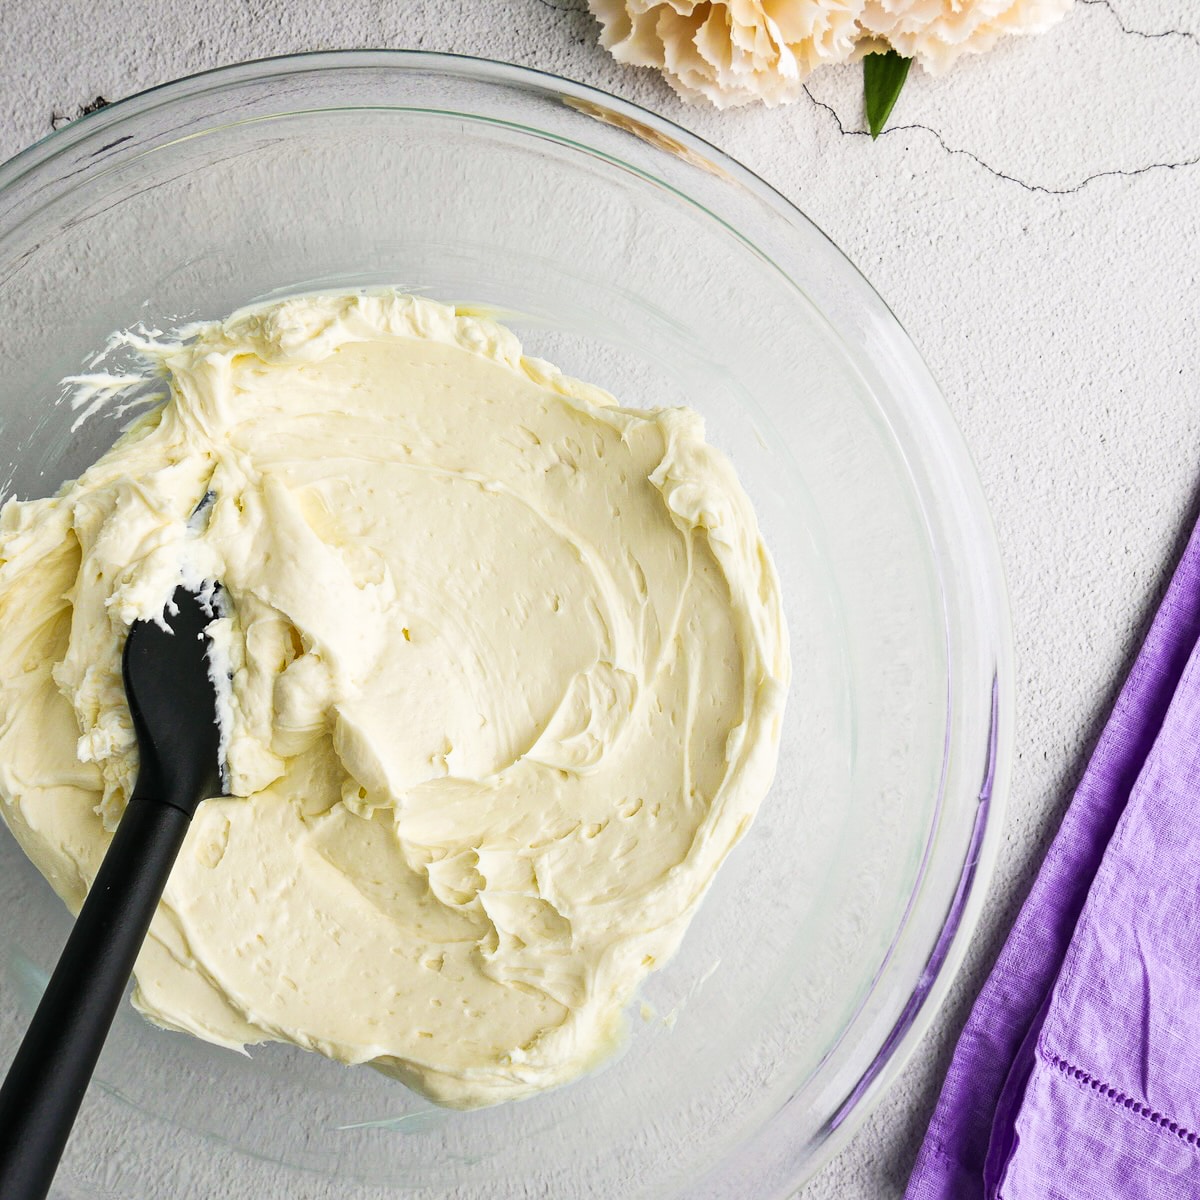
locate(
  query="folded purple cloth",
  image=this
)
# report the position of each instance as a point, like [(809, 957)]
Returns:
[(1078, 1073)]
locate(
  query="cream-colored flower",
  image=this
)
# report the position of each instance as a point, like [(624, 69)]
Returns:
[(937, 32), (738, 51), (732, 52)]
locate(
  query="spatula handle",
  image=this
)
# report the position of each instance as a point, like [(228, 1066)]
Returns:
[(50, 1074)]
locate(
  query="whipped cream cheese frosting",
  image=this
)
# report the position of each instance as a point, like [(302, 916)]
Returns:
[(506, 668)]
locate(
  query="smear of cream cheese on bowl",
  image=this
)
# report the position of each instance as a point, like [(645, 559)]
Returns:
[(505, 663)]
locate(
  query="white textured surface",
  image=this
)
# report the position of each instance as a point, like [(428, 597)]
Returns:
[(1033, 219)]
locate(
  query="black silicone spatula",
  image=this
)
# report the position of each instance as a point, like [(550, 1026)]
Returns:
[(173, 704)]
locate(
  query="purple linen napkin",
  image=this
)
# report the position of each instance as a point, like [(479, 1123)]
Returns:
[(1078, 1073)]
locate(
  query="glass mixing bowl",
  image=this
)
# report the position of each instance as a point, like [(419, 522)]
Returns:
[(637, 257)]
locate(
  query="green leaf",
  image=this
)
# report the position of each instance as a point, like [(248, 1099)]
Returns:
[(883, 80)]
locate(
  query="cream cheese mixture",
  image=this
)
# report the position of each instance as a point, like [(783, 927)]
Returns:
[(507, 666)]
